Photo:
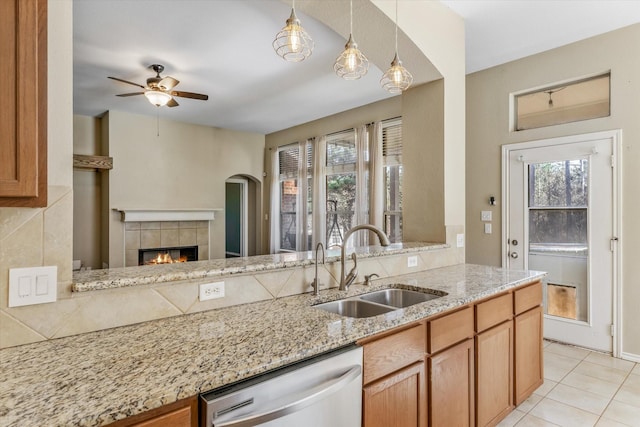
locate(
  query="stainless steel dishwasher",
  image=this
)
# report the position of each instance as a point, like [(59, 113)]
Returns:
[(325, 391)]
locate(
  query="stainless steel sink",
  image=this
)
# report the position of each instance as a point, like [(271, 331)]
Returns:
[(354, 308), (378, 302), (398, 298)]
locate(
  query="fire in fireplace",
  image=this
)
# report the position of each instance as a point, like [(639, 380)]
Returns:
[(167, 255)]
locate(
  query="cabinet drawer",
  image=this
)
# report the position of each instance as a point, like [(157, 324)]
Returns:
[(494, 311), (527, 297), (450, 329), (393, 352)]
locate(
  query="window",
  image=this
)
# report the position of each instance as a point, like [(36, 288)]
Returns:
[(341, 185), (392, 155), (558, 205), (344, 178), (569, 102), (295, 174)]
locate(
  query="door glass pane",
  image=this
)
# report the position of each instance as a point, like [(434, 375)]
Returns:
[(558, 238)]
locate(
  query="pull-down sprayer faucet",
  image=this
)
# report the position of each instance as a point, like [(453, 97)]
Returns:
[(345, 282)]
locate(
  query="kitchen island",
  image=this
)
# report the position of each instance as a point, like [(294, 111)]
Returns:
[(104, 376)]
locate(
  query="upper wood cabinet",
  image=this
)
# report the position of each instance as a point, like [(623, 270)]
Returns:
[(23, 116)]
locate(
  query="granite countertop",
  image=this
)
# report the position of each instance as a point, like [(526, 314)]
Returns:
[(99, 377), (91, 280)]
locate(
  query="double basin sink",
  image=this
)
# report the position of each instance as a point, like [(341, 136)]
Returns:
[(378, 302)]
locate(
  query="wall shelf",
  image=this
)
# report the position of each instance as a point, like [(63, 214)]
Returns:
[(97, 163)]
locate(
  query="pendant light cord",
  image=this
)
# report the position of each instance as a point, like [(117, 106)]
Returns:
[(396, 27), (350, 17)]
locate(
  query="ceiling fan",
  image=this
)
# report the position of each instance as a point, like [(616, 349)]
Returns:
[(159, 89)]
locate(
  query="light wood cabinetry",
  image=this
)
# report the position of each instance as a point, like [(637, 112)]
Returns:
[(529, 373), (396, 400), (394, 390), (466, 367), (450, 368), (183, 413), (494, 374), (451, 386), (23, 116), (494, 359)]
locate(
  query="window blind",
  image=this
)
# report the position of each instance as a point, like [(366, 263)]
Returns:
[(288, 159), (392, 142)]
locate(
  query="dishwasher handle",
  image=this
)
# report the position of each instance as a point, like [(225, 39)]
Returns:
[(310, 397)]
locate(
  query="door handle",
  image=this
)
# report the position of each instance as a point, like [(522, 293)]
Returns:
[(513, 255)]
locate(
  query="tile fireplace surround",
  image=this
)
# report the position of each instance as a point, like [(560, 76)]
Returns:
[(163, 234)]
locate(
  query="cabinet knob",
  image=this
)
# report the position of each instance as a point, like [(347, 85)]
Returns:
[(514, 255)]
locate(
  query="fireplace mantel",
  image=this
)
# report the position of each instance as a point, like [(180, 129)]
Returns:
[(145, 215)]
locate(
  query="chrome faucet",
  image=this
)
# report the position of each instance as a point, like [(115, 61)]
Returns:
[(345, 282), (315, 284)]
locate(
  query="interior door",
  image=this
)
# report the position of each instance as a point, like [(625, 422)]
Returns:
[(561, 220), (235, 218)]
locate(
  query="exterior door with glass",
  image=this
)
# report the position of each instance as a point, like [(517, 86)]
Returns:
[(560, 219)]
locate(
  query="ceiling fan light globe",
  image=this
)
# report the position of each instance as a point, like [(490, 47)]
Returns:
[(157, 97)]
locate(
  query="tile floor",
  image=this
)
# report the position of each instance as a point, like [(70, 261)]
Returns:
[(581, 388)]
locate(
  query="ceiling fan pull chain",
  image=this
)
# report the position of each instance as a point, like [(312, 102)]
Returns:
[(158, 121)]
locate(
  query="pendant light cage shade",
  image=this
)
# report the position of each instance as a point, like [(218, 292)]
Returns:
[(397, 78), (351, 64), (293, 43), (157, 97)]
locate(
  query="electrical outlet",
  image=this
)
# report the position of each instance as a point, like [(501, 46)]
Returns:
[(211, 291), (412, 261), (460, 240)]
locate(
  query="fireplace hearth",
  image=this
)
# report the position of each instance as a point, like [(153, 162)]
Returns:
[(152, 256)]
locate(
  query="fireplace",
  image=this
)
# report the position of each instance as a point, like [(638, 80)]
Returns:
[(152, 256)]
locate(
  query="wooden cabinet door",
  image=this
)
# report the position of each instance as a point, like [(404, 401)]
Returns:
[(398, 400), (23, 116), (183, 413), (494, 374), (528, 354), (451, 386)]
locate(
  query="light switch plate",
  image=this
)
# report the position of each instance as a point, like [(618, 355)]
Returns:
[(33, 285), (486, 216), (487, 229)]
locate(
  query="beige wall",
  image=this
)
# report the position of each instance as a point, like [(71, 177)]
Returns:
[(184, 167), (488, 128), (43, 236), (87, 196)]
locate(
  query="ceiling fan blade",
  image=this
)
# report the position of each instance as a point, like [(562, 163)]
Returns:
[(168, 83), (172, 103), (131, 94), (127, 82), (190, 95)]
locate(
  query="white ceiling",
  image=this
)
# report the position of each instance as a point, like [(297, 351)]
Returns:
[(222, 48)]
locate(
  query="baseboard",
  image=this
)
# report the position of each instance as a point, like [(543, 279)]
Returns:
[(630, 357)]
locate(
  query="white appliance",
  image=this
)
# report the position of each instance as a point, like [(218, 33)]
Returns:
[(325, 391)]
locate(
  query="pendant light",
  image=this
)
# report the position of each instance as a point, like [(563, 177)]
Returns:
[(157, 97), (397, 78), (351, 64), (293, 43)]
